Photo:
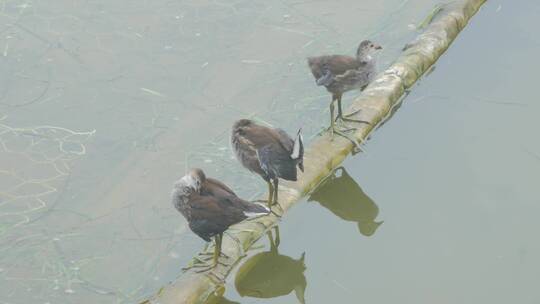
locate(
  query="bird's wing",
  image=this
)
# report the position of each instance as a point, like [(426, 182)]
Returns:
[(339, 65), (211, 215), (335, 64), (217, 185), (259, 136), (284, 139), (353, 78), (274, 148), (276, 163)]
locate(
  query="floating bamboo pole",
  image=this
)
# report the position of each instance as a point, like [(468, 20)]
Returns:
[(375, 104)]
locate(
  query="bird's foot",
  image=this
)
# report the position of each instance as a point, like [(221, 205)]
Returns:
[(204, 269), (333, 129), (276, 205), (344, 127), (208, 267), (352, 113), (354, 120), (345, 117), (204, 264), (345, 135), (196, 262), (275, 213)]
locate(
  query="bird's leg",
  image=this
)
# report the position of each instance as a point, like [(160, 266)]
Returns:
[(339, 116), (201, 263), (275, 197), (205, 250), (345, 118), (270, 195), (332, 127), (340, 111), (220, 247), (270, 199), (334, 130), (276, 182), (217, 248), (215, 259), (209, 255)]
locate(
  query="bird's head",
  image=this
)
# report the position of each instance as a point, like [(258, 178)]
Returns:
[(241, 125), (366, 49), (191, 182)]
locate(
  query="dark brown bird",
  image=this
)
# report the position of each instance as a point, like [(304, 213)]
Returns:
[(341, 73), (210, 207), (269, 152)]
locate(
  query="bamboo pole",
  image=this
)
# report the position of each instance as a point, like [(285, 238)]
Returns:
[(375, 104)]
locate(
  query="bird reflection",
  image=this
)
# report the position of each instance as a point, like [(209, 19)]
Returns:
[(344, 197), (270, 274)]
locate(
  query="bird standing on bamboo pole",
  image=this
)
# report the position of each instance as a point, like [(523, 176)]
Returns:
[(210, 207), (269, 152), (341, 73)]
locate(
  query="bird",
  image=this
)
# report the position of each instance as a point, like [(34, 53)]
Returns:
[(342, 73), (210, 207), (269, 152)]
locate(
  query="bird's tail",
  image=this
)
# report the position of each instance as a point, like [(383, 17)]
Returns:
[(255, 210), (298, 150)]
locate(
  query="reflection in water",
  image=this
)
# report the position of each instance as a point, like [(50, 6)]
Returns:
[(344, 197), (226, 301), (270, 274)]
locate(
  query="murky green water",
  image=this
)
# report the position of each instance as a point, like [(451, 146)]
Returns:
[(105, 103)]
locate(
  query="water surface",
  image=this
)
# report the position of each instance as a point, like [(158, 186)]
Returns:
[(452, 178), (104, 104)]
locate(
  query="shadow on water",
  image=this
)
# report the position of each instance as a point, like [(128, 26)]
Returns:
[(344, 197), (270, 274)]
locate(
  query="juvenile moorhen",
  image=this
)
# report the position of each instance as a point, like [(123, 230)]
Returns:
[(269, 152), (341, 73), (210, 207)]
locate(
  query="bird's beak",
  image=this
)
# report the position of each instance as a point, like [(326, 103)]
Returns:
[(378, 47)]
